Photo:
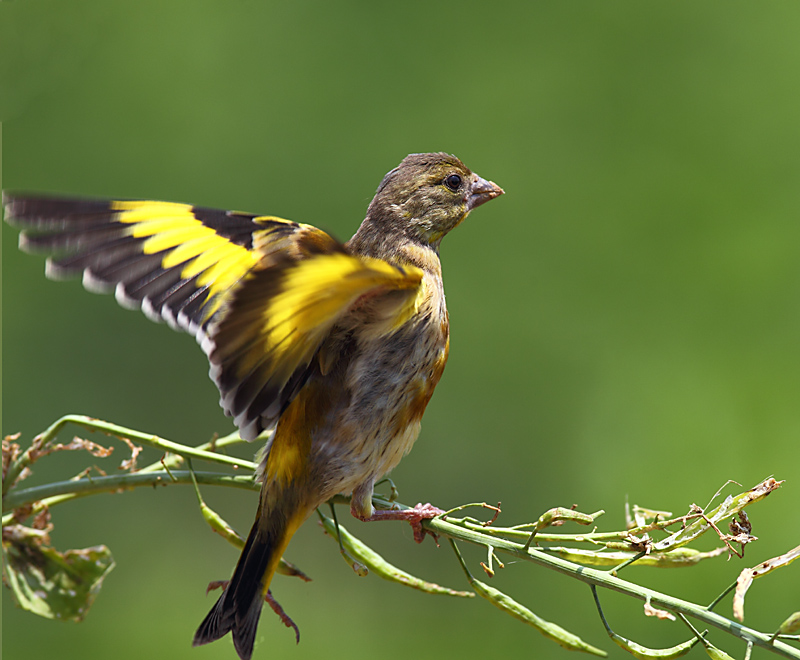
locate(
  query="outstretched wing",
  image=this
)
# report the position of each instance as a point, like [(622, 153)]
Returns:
[(259, 293), (279, 317), (176, 262)]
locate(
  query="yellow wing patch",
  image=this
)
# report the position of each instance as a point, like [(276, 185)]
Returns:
[(203, 254), (318, 290), (278, 319), (259, 293), (177, 262)]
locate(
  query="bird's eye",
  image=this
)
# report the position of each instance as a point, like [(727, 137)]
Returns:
[(453, 182)]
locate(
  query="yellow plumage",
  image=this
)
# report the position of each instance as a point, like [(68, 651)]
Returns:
[(337, 346)]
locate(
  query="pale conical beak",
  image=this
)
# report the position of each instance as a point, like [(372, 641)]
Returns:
[(481, 191)]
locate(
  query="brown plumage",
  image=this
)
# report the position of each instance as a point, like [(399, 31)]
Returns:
[(360, 409), (336, 347)]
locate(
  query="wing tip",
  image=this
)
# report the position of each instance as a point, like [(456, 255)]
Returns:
[(169, 316), (150, 311), (24, 243), (56, 272), (11, 208), (123, 299)]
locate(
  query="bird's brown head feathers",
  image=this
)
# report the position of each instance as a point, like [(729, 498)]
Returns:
[(422, 199)]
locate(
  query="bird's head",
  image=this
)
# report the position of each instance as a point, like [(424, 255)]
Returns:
[(426, 196)]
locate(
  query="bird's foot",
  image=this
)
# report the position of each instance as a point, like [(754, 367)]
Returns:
[(413, 516), (287, 621), (217, 584)]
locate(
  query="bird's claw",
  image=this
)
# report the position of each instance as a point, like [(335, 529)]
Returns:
[(413, 516), (285, 618)]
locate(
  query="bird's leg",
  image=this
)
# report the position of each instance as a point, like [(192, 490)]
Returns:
[(269, 599), (414, 516), (287, 621), (217, 584), (361, 508)]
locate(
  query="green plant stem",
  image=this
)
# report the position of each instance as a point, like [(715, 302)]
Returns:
[(42, 441), (61, 491), (595, 538), (606, 580), (175, 458), (459, 530), (719, 598)]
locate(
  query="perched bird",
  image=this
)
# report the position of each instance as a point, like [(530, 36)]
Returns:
[(338, 348)]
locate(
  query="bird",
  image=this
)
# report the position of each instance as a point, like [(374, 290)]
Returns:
[(335, 348)]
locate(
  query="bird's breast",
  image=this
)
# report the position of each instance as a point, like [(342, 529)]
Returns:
[(394, 377), (356, 420)]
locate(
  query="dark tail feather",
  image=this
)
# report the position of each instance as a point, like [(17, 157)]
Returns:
[(238, 608)]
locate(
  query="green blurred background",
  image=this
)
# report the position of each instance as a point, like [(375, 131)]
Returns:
[(625, 320)]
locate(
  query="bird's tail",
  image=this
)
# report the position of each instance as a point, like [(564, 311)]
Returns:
[(238, 608)]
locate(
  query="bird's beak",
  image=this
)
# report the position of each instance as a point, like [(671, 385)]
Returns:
[(481, 191)]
